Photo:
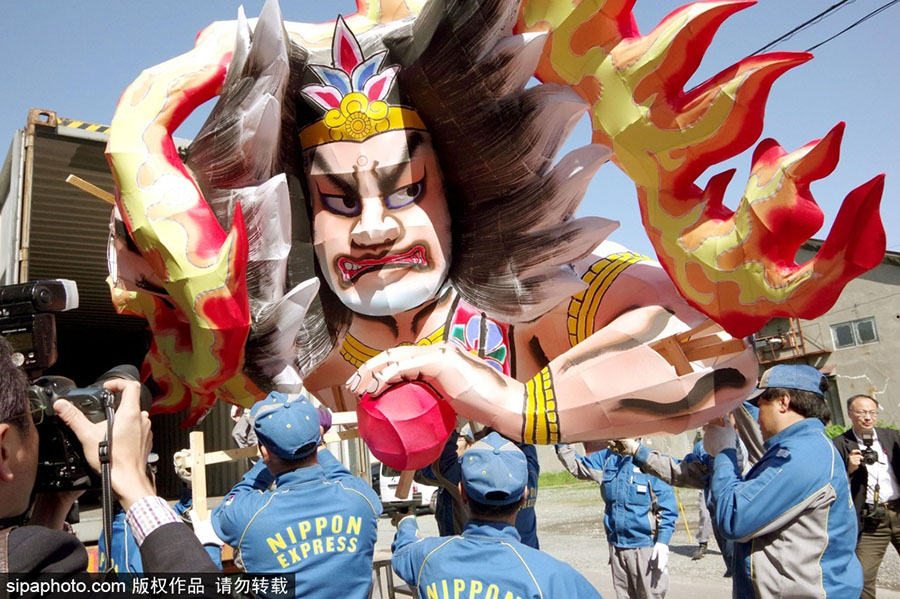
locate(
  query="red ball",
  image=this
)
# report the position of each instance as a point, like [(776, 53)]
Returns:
[(407, 426)]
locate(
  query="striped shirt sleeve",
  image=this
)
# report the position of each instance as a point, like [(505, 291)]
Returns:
[(148, 514)]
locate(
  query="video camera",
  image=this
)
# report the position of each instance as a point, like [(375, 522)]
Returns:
[(27, 320), (28, 323)]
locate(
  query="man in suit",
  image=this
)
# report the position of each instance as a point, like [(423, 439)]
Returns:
[(30, 549), (872, 456)]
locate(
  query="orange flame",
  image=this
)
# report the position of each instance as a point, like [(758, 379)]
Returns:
[(736, 267)]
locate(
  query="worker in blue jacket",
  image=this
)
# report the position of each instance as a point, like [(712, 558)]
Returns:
[(445, 473), (319, 522), (488, 559), (639, 519), (790, 515)]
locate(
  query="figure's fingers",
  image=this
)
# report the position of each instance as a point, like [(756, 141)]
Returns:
[(363, 381), (131, 395), (428, 366), (74, 419)]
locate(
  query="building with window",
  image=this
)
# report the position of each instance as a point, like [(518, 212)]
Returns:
[(856, 343)]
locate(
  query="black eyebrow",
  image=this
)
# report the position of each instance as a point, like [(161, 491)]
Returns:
[(341, 181), (386, 182)]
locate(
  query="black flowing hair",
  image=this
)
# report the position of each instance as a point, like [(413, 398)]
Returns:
[(514, 237)]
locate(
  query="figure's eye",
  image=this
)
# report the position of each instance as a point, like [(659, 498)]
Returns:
[(404, 196), (344, 205)]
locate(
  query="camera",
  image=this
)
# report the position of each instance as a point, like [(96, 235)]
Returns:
[(28, 322), (61, 462), (870, 456)]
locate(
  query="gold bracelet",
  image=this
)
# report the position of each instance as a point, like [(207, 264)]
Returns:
[(541, 424)]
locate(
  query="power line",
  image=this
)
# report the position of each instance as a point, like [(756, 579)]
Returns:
[(803, 26), (849, 27)]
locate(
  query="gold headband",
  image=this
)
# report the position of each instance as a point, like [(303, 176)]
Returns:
[(357, 120)]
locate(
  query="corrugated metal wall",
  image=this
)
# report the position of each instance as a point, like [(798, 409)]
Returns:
[(69, 231)]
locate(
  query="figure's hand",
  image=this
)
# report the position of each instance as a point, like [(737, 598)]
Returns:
[(659, 559), (474, 389), (718, 436), (854, 461), (625, 447), (131, 441), (181, 459)]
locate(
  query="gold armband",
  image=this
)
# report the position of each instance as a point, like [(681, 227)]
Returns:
[(541, 425)]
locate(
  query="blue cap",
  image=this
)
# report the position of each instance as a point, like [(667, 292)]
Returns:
[(792, 376), (494, 471), (288, 425)]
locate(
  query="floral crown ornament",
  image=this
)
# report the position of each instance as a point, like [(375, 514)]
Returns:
[(353, 95)]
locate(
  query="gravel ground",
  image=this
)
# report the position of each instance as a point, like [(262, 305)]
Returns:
[(571, 529)]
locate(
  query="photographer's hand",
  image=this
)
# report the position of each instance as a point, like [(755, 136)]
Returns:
[(131, 443), (50, 509), (854, 461)]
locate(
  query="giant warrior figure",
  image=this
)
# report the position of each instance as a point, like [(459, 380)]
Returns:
[(377, 200)]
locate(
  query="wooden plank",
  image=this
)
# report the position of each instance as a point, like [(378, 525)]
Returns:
[(343, 418), (732, 346), (230, 455), (198, 475), (91, 189), (670, 349), (403, 487), (703, 327)]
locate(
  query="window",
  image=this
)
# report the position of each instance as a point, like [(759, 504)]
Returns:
[(853, 333)]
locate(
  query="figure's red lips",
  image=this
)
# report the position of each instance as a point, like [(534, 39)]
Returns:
[(351, 268)]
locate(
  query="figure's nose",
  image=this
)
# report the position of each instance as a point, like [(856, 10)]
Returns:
[(376, 224)]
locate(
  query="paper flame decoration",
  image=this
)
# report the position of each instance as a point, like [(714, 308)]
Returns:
[(736, 267)]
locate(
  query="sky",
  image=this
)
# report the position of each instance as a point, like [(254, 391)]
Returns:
[(76, 58)]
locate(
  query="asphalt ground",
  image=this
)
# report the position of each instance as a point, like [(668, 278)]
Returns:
[(570, 528)]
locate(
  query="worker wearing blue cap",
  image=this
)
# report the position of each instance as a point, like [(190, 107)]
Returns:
[(487, 559), (790, 516), (318, 522)]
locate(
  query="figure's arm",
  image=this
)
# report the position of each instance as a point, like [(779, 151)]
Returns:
[(580, 466), (609, 377), (774, 496), (689, 472)]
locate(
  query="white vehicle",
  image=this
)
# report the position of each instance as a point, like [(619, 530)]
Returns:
[(385, 479)]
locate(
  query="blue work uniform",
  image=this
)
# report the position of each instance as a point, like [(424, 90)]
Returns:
[(791, 517), (124, 549), (628, 495), (319, 523), (448, 464), (487, 560)]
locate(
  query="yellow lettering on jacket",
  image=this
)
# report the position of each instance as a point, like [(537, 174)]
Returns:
[(354, 525), (276, 543), (465, 589)]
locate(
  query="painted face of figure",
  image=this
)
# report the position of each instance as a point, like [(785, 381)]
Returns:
[(381, 226)]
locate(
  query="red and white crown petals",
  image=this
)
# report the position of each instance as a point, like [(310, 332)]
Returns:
[(333, 77), (345, 50), (323, 96), (366, 69), (378, 86)]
